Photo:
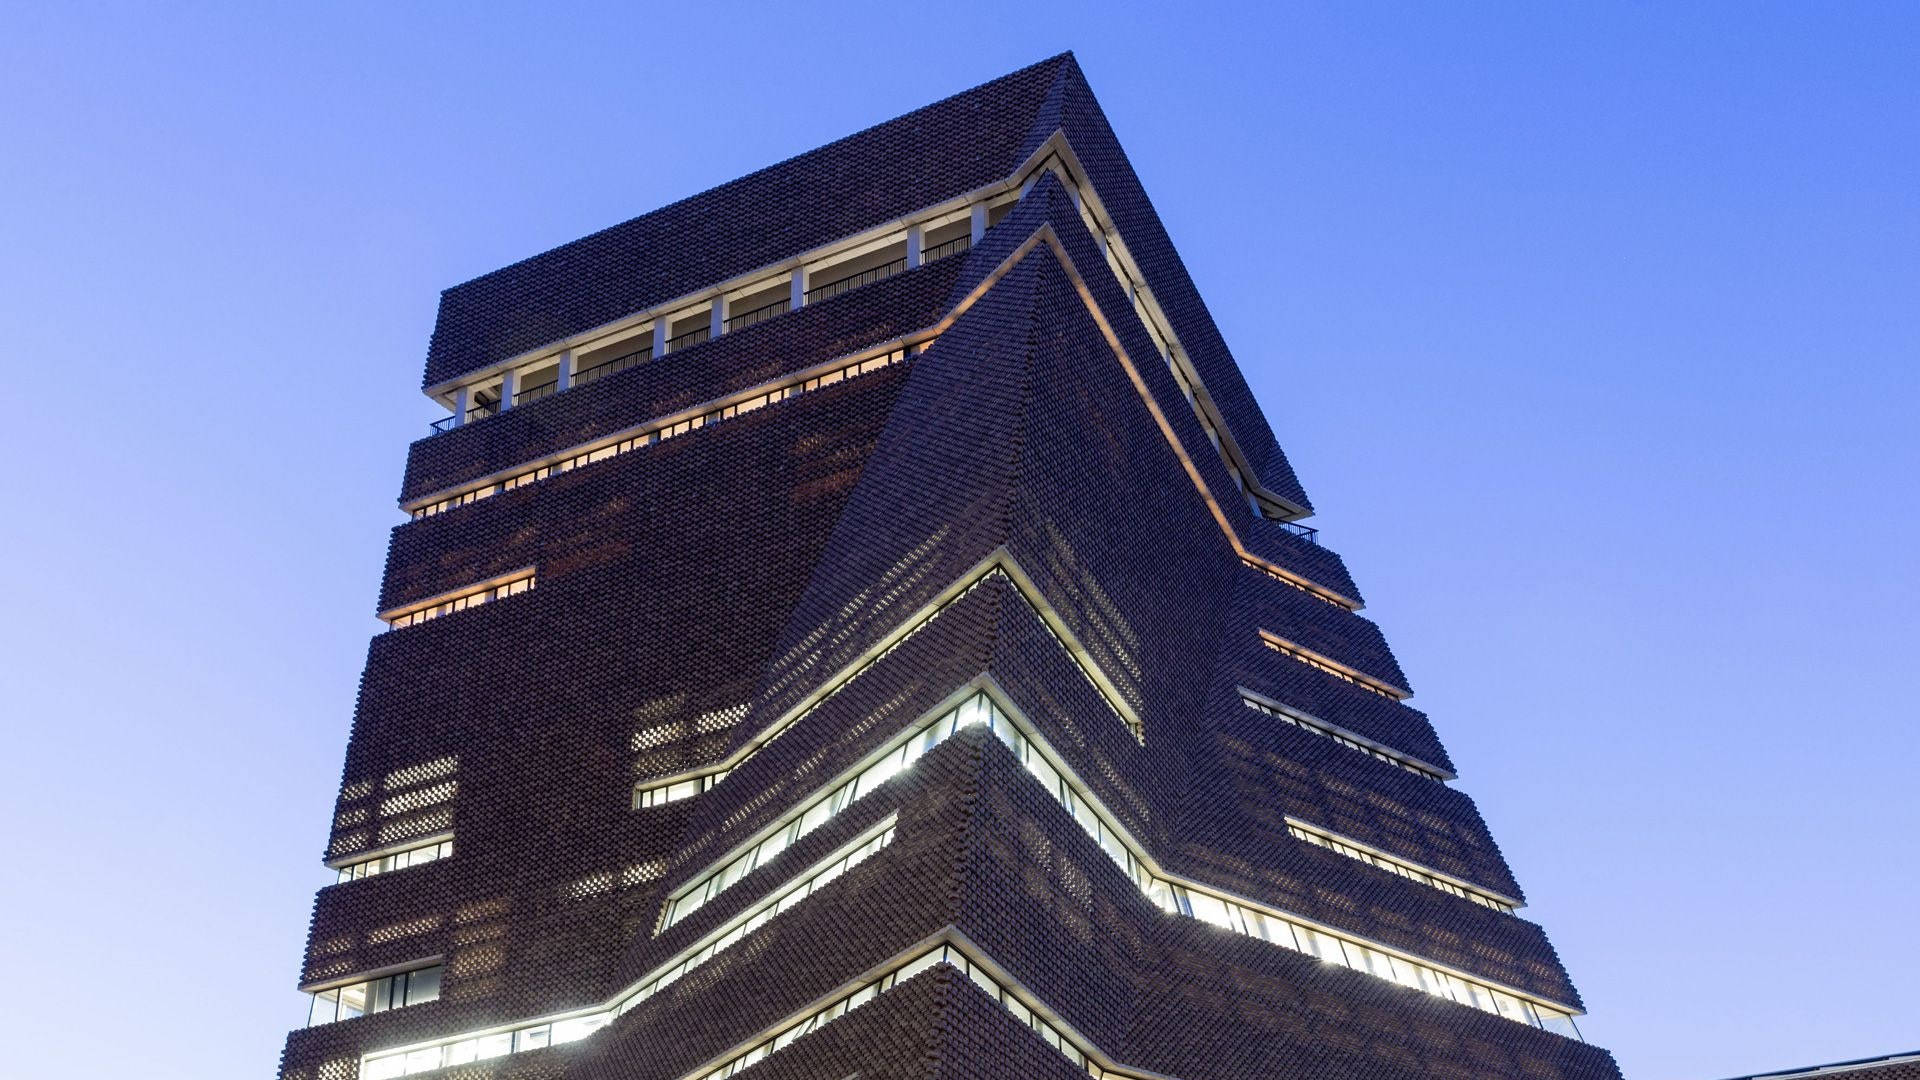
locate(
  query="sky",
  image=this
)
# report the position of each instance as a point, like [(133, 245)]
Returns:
[(1591, 330)]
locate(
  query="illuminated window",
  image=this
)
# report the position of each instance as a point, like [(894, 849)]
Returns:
[(663, 792), (553, 1031), (1314, 662), (1398, 866), (433, 609), (659, 431), (397, 860), (396, 991), (1348, 740), (812, 815)]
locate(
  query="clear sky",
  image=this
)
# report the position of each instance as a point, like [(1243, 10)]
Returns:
[(1592, 330)]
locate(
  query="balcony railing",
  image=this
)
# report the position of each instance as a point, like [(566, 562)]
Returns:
[(759, 314), (951, 247), (691, 337), (477, 412), (609, 367), (854, 281), (703, 333), (1305, 532), (535, 393)]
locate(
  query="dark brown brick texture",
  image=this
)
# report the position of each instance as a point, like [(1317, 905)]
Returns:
[(695, 595)]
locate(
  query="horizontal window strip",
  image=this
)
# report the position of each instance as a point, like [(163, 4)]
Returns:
[(1285, 648), (1394, 865), (992, 573), (397, 860), (574, 1026), (1245, 917), (395, 991), (461, 601), (667, 791), (1219, 909), (1066, 1044), (1345, 739), (1174, 897), (662, 431), (1325, 598), (824, 808)]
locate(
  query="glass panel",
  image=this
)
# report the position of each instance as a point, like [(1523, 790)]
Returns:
[(422, 1060), (1324, 946), (579, 1027), (1279, 932), (880, 772), (353, 1001), (985, 983), (532, 1038), (463, 1051), (1559, 1023), (382, 993), (918, 966), (325, 1008), (385, 1068), (816, 814), (1082, 813), (773, 846), (493, 1046), (423, 985), (1049, 779), (1209, 909)]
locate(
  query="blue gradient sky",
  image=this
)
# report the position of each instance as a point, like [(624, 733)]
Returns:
[(1591, 331)]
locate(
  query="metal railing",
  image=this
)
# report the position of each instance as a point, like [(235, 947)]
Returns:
[(613, 366), (477, 412), (1305, 532), (691, 337), (535, 393), (759, 314), (951, 247), (854, 281), (608, 367)]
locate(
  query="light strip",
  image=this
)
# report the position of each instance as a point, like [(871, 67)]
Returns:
[(1352, 740), (1335, 668), (1170, 894), (659, 430), (1393, 864), (1174, 897), (684, 786), (1247, 917), (471, 596), (404, 859), (848, 788), (982, 973), (1001, 563), (1294, 583), (1057, 156), (577, 1024)]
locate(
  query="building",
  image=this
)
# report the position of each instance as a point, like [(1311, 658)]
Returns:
[(854, 622), (1887, 1067)]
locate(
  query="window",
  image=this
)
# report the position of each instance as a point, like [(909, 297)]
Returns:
[(433, 609), (660, 431), (395, 991), (1317, 727), (1288, 649), (1399, 866), (659, 794), (398, 860)]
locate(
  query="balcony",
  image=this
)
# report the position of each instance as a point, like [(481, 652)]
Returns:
[(839, 269)]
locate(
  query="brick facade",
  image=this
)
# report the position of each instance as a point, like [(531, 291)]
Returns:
[(1027, 507)]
